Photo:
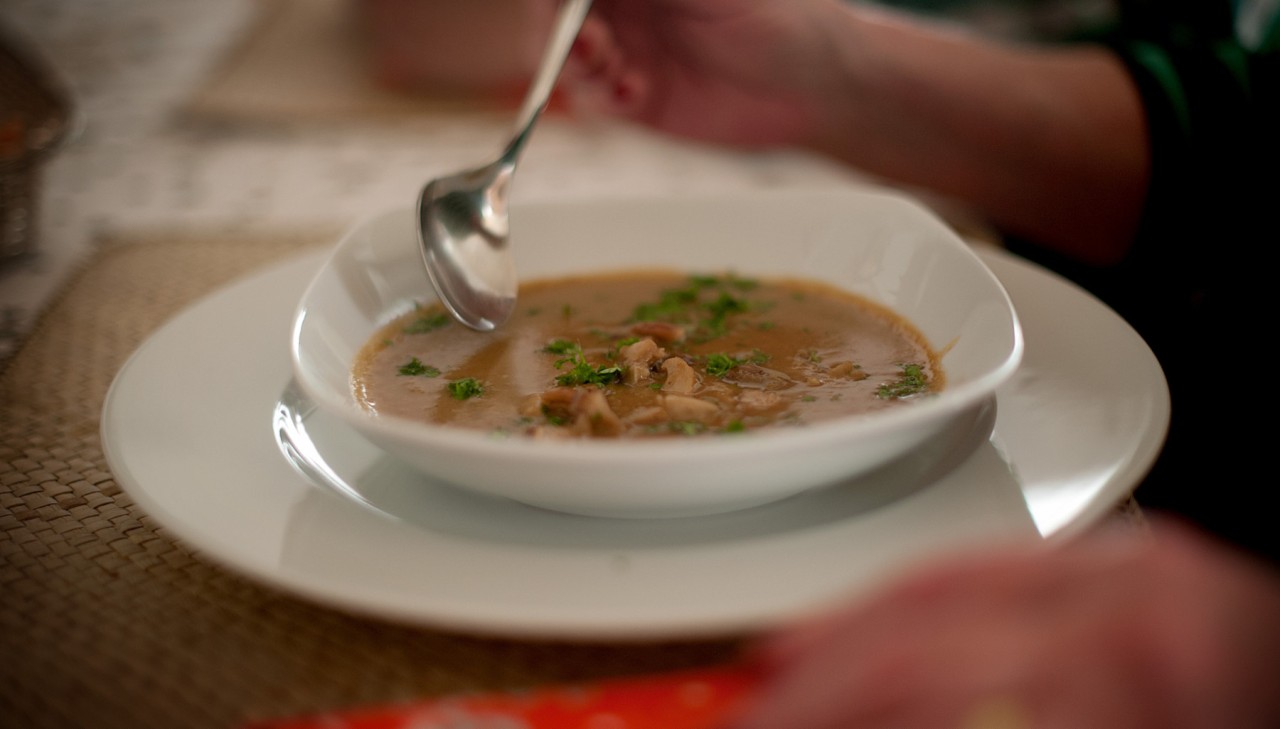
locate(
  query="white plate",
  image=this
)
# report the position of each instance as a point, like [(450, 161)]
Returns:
[(187, 430)]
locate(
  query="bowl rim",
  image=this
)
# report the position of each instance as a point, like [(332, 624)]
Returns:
[(951, 401)]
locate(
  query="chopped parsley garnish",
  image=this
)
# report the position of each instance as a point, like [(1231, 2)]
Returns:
[(686, 427), (581, 372), (706, 302), (584, 373), (734, 426), (616, 349), (427, 323), (672, 306), (912, 382), (725, 305), (466, 388), (719, 364), (415, 368)]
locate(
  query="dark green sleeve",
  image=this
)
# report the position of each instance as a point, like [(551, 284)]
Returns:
[(1196, 283), (1214, 130)]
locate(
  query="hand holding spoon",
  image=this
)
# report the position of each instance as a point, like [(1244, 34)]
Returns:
[(463, 225)]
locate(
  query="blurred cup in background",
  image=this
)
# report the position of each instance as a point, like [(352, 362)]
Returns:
[(485, 47)]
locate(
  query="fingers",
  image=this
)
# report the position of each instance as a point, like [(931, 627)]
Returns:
[(1040, 638), (596, 77), (931, 647)]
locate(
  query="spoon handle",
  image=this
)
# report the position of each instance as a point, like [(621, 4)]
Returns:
[(568, 23)]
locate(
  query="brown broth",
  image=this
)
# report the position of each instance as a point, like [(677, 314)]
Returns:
[(651, 353)]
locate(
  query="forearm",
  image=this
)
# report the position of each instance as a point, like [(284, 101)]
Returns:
[(1050, 143)]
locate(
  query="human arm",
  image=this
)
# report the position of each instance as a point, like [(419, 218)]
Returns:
[(1048, 142)]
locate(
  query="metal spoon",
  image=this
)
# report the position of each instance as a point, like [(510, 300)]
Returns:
[(463, 226)]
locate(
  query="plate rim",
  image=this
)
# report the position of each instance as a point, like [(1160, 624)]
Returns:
[(495, 622)]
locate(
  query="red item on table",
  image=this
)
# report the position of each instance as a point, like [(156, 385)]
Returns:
[(701, 699)]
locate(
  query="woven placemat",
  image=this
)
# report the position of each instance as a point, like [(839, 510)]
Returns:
[(106, 621)]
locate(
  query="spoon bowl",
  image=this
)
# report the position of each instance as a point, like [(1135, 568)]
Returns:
[(463, 229), (463, 224)]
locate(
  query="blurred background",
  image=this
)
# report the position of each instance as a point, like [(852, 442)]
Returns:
[(182, 115)]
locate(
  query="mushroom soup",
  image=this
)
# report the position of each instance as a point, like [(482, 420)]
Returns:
[(649, 354)]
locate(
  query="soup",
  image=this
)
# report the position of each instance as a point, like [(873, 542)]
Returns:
[(650, 354)]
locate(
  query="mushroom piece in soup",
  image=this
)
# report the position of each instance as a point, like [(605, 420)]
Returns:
[(648, 354)]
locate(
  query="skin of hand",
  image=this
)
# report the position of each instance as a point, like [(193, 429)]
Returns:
[(737, 72), (1049, 143), (1109, 632)]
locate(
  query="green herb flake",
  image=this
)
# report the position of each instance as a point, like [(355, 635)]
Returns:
[(719, 364), (725, 305), (616, 350), (427, 323), (672, 306), (686, 427), (735, 426), (911, 382), (466, 388), (562, 346), (415, 368), (707, 302), (581, 371), (584, 373)]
